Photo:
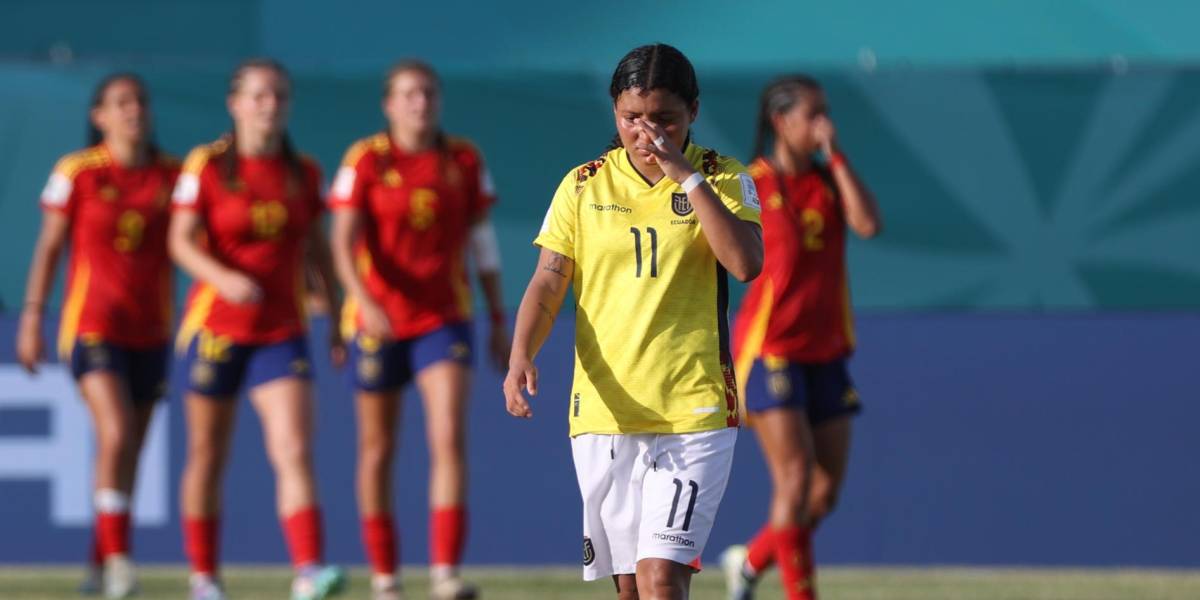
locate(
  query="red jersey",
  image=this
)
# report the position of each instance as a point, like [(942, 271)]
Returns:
[(799, 307), (417, 212), (258, 224), (119, 273)]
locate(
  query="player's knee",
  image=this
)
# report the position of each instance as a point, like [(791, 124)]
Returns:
[(448, 449), (627, 595), (822, 502), (291, 454), (375, 457), (792, 488), (661, 581)]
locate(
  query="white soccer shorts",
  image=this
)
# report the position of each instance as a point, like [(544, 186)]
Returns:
[(649, 496)]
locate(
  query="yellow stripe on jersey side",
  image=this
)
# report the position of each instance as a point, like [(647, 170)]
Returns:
[(73, 309), (755, 334), (362, 264), (349, 320), (847, 315), (194, 319)]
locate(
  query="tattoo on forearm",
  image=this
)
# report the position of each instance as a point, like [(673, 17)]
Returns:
[(556, 263), (546, 311)]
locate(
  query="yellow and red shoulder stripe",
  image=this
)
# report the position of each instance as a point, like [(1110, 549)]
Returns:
[(71, 165)]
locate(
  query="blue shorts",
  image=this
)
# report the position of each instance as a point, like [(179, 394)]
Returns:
[(144, 370), (823, 390), (388, 365), (219, 367)]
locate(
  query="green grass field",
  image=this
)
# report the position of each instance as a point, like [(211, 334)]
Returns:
[(52, 583)]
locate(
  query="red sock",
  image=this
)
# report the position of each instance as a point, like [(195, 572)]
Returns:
[(200, 539), (760, 551), (809, 562), (112, 533), (303, 532), (96, 559), (794, 563), (447, 535), (379, 537)]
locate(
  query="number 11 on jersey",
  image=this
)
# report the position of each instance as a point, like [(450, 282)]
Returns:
[(637, 247)]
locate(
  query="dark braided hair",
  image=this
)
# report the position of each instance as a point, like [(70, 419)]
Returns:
[(777, 98), (287, 151), (94, 135), (652, 67)]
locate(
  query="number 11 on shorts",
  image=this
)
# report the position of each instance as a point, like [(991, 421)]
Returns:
[(687, 517)]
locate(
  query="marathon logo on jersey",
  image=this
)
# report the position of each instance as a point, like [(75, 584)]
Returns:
[(575, 409), (589, 552), (613, 207), (672, 538), (680, 204)]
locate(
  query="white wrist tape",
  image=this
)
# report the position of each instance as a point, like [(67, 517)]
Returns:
[(692, 182), (484, 247)]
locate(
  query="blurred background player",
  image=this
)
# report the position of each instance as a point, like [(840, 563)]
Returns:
[(111, 202), (409, 203), (794, 330), (246, 220), (646, 234)]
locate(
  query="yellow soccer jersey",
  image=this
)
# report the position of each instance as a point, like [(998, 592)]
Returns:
[(651, 325)]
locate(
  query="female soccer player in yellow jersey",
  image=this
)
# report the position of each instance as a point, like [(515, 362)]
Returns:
[(646, 234)]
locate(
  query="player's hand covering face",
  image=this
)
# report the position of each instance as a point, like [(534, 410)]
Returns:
[(660, 107), (806, 126)]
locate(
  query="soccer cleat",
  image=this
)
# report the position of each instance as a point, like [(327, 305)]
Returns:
[(204, 587), (318, 583), (737, 585), (119, 579), (386, 587), (93, 582), (452, 588)]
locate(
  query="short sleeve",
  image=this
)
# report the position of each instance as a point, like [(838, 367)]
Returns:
[(59, 193), (349, 183), (188, 194), (737, 191), (558, 228)]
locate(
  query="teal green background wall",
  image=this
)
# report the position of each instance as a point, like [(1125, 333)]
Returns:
[(1019, 164)]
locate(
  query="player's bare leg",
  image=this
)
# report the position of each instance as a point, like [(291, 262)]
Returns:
[(787, 443), (444, 387), (285, 408), (832, 442), (662, 579), (626, 587), (378, 414), (210, 429), (117, 443)]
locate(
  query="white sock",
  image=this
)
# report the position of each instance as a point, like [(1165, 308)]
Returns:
[(110, 501)]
